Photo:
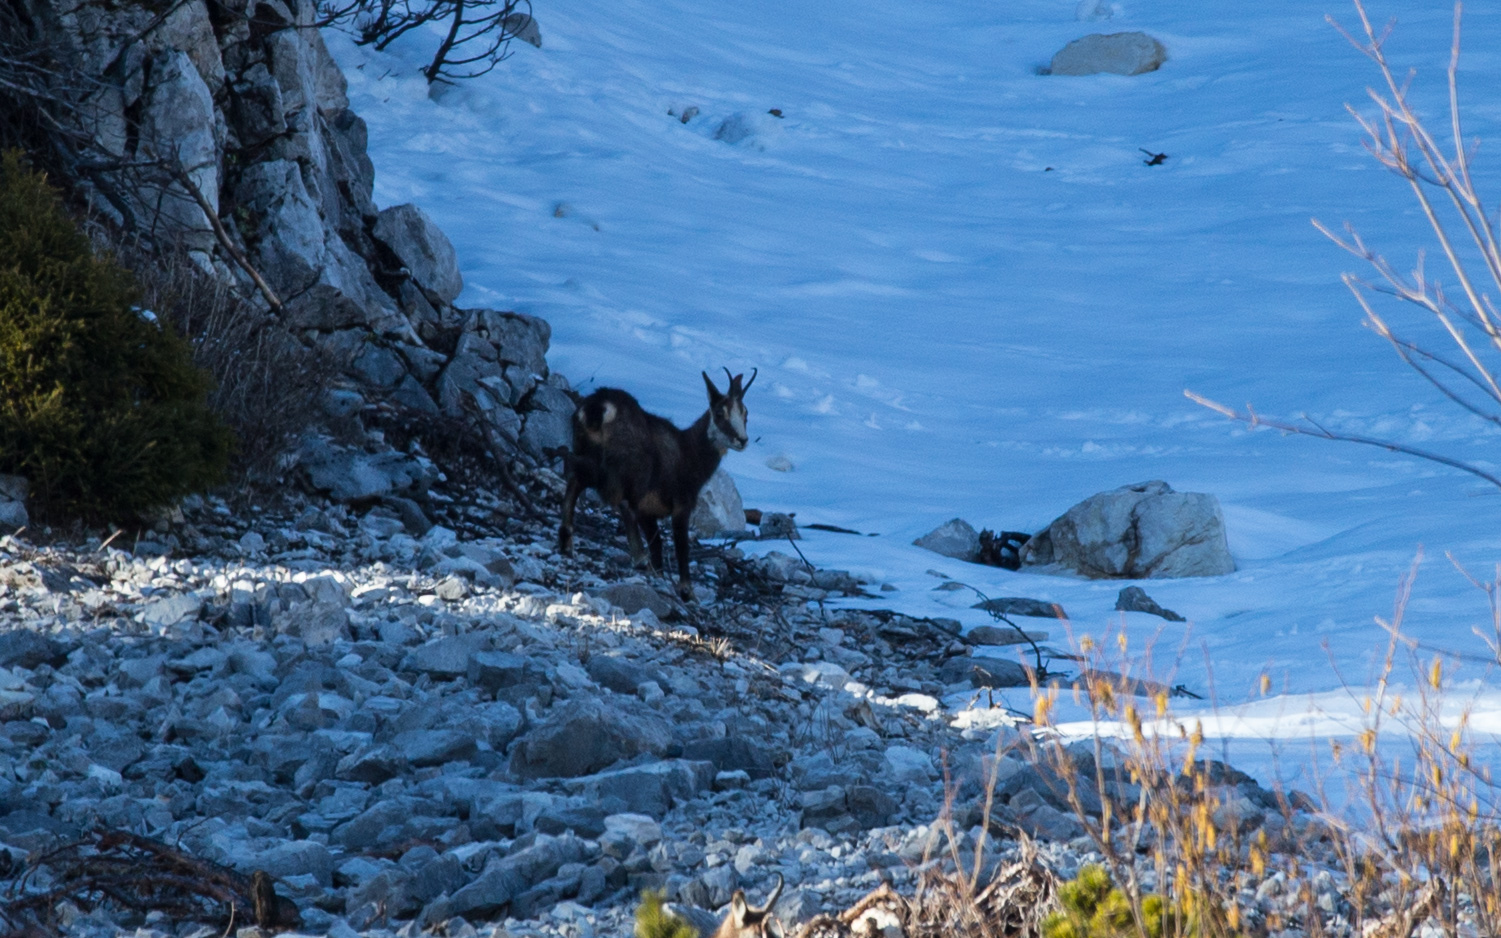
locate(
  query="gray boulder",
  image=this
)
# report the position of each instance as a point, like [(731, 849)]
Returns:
[(349, 475), (954, 538), (719, 510), (1118, 53), (1139, 531), (507, 878), (983, 672), (548, 416), (13, 491), (497, 361), (423, 249), (581, 736), (21, 647), (651, 789), (634, 597), (445, 658)]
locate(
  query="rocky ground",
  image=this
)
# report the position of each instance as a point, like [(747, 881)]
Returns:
[(412, 729)]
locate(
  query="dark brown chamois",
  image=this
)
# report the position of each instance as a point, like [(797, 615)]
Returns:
[(649, 469)]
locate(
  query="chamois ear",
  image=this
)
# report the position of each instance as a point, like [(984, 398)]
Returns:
[(739, 908), (714, 395)]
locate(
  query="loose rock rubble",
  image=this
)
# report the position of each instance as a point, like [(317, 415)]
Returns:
[(407, 729)]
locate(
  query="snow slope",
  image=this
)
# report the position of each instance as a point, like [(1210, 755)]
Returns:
[(968, 296)]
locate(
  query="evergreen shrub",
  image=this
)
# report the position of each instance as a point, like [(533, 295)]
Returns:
[(101, 407)]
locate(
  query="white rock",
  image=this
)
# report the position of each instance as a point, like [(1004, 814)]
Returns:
[(1119, 53), (954, 538), (638, 827), (170, 610), (1136, 532), (909, 766), (719, 508), (825, 673)]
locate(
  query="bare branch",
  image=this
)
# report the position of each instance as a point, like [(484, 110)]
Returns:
[(1314, 429)]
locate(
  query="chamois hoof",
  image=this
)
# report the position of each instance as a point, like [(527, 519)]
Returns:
[(685, 591)]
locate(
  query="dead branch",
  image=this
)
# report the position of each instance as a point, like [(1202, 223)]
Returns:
[(121, 870), (230, 248)]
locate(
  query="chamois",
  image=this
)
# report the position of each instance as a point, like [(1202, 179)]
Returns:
[(747, 921), (649, 469)]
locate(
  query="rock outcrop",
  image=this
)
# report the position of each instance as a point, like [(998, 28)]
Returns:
[(235, 123)]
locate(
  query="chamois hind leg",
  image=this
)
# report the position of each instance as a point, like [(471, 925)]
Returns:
[(652, 530), (680, 541), (570, 499)]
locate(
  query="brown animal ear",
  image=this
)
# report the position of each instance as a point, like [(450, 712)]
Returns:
[(714, 395), (738, 908)]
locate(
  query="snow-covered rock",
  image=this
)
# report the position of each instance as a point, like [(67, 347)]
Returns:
[(1137, 531), (954, 538), (1120, 53)]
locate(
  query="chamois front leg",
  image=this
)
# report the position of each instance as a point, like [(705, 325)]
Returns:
[(633, 535), (680, 542), (651, 529), (570, 499)]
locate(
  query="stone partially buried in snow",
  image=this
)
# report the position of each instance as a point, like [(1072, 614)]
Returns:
[(953, 538), (720, 510), (423, 249), (1118, 53), (523, 26), (1139, 531)]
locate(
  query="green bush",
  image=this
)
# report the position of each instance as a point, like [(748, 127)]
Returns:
[(654, 921), (1093, 908), (101, 408)]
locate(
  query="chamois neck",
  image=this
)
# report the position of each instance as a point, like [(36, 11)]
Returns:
[(707, 450)]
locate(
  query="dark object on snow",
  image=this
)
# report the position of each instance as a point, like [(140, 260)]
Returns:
[(833, 529), (1002, 548), (776, 525), (649, 469), (1153, 159), (1135, 599), (1021, 606)]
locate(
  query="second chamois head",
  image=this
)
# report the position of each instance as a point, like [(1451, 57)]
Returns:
[(648, 469), (748, 921)]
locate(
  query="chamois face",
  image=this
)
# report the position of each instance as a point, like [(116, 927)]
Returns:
[(727, 412), (747, 921)]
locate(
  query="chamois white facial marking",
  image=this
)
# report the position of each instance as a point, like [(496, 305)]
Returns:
[(727, 425)]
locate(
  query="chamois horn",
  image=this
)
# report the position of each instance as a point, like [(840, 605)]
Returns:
[(771, 900)]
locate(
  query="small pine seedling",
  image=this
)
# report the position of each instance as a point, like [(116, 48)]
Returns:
[(654, 921)]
